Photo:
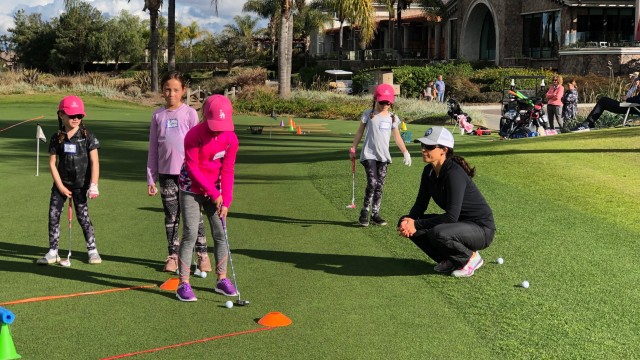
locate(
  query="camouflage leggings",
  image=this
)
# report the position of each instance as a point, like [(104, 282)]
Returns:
[(56, 205), (376, 174), (171, 206)]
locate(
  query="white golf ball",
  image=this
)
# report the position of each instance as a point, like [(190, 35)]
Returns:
[(525, 284), (203, 274), (229, 304), (500, 261)]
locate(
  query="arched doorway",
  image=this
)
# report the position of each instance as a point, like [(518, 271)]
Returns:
[(479, 33)]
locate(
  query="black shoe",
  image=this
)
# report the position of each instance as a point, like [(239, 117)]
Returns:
[(364, 218), (377, 220), (581, 127)]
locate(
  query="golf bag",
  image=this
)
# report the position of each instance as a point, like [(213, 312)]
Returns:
[(522, 118), (459, 117)]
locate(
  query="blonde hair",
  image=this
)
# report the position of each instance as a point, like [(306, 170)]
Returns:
[(559, 78)]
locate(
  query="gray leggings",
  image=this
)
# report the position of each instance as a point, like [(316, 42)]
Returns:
[(190, 205)]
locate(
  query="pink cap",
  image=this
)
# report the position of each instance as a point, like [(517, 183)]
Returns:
[(385, 92), (72, 105), (218, 112)]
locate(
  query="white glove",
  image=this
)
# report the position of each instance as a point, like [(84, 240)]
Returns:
[(407, 158), (93, 192)]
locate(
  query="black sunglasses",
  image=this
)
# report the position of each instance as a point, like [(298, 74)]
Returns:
[(428, 147), (384, 103), (77, 116)]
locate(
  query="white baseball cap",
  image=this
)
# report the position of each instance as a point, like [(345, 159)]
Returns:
[(437, 135)]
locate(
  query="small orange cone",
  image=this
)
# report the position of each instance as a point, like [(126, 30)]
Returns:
[(299, 132), (275, 319), (170, 285), (290, 121)]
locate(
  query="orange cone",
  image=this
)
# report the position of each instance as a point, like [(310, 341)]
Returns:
[(299, 132), (275, 319), (170, 285)]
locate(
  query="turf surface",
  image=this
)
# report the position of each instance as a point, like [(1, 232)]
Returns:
[(565, 206)]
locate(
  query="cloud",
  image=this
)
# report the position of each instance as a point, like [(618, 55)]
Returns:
[(187, 11)]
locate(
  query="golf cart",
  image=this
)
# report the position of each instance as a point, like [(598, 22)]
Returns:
[(340, 81)]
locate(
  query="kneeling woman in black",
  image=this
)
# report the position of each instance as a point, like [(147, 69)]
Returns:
[(451, 239)]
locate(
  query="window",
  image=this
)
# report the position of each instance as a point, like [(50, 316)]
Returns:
[(541, 34), (453, 39), (608, 24)]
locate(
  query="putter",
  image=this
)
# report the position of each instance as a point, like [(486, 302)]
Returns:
[(353, 185), (238, 302), (67, 262)]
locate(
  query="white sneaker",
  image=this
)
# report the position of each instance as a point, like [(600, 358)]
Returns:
[(472, 265), (48, 259)]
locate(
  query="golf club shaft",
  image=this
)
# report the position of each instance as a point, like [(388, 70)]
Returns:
[(353, 181), (233, 272), (70, 220)]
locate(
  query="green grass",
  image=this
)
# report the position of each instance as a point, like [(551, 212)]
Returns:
[(565, 207)]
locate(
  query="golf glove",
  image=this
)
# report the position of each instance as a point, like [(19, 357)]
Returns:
[(93, 192), (407, 158)]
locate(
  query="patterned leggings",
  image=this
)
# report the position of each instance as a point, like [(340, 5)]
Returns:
[(169, 194), (376, 174), (56, 204)]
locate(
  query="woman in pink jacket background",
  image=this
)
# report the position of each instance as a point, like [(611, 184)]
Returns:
[(206, 180), (554, 102)]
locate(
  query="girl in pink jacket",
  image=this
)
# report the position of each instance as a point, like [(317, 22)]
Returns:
[(554, 102), (206, 180)]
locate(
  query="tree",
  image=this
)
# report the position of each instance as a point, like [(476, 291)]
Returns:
[(125, 38), (270, 10), (310, 20), (285, 49), (33, 40), (358, 13), (190, 34), (171, 36), (78, 37)]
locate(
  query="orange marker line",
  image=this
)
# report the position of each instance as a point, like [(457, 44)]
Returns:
[(187, 343), (22, 122), (56, 297)]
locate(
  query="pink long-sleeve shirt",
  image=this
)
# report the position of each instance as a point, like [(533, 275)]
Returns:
[(554, 95), (209, 163), (166, 140)]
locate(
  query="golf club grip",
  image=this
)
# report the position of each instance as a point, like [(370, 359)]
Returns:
[(70, 210), (353, 165)]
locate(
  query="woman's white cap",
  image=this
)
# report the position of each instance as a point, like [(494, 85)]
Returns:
[(437, 135)]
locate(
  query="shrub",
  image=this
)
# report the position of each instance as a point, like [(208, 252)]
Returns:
[(133, 91), (243, 77), (142, 79)]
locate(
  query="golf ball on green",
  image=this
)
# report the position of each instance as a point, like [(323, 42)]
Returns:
[(203, 274), (525, 284), (229, 304), (500, 261)]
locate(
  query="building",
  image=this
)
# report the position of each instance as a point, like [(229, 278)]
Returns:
[(571, 36)]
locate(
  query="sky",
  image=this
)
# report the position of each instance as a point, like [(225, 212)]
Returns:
[(200, 11)]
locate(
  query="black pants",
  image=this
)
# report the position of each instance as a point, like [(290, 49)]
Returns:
[(453, 241), (56, 205), (606, 104)]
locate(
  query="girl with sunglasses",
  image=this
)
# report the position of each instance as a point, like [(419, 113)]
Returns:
[(452, 239), (73, 161), (380, 123)]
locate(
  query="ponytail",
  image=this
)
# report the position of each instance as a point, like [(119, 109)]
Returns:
[(471, 171), (60, 132)]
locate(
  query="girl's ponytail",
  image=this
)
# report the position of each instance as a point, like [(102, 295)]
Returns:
[(60, 132), (471, 171), (83, 129)]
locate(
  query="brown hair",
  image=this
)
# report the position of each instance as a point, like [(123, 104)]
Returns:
[(62, 133), (471, 171), (373, 110)]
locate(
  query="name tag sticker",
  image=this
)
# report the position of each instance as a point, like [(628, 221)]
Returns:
[(172, 123), (219, 155), (69, 148), (384, 125)]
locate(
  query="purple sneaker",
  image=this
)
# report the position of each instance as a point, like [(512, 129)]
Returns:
[(225, 287), (185, 293)]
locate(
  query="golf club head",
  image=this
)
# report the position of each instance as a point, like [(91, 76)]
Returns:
[(65, 262), (242, 302)]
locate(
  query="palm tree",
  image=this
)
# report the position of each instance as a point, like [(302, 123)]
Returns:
[(270, 10), (310, 20), (285, 48), (191, 33), (171, 36), (358, 13)]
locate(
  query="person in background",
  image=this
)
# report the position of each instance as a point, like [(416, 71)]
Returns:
[(570, 102), (428, 91), (440, 88), (554, 102)]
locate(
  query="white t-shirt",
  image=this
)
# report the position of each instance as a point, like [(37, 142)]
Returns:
[(378, 133)]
